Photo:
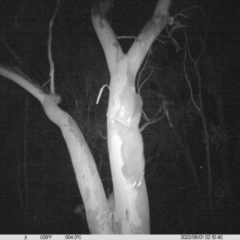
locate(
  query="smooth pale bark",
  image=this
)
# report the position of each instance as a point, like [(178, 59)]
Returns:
[(88, 179), (131, 213)]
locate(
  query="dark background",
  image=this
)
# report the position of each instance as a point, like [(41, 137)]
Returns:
[(38, 189)]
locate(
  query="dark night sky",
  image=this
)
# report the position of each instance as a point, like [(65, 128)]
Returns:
[(44, 199)]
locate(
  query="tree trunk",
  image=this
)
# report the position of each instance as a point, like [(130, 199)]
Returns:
[(131, 213), (128, 211)]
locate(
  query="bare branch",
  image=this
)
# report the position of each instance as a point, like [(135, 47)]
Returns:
[(51, 74)]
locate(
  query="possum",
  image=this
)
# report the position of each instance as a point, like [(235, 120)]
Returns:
[(132, 144)]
